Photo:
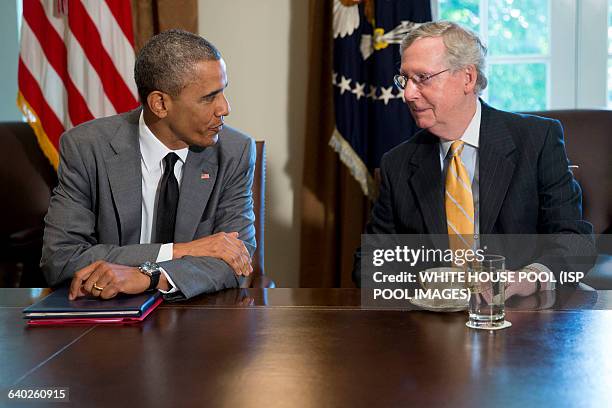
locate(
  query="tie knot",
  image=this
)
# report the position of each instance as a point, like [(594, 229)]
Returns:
[(170, 160), (456, 148)]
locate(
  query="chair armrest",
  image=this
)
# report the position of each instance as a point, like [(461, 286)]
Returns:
[(262, 282)]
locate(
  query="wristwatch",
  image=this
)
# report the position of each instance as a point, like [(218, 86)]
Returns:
[(152, 270)]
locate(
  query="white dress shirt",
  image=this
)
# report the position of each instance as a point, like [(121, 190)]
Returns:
[(469, 157), (152, 152)]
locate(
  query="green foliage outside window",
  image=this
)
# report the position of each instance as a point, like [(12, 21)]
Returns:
[(515, 28), (464, 12), (518, 27), (518, 87)]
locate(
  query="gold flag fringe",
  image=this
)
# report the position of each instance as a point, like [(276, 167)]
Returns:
[(356, 166), (43, 140)]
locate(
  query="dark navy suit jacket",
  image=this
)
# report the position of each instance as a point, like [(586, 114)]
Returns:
[(525, 187)]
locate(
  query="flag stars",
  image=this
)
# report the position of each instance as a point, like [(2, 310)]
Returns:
[(372, 93), (345, 84), (400, 95), (359, 90), (387, 94)]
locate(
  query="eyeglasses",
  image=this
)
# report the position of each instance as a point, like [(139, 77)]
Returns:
[(420, 80)]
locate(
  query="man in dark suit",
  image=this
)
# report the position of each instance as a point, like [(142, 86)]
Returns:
[(160, 197), (473, 169)]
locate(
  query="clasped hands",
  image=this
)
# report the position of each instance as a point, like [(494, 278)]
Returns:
[(105, 280)]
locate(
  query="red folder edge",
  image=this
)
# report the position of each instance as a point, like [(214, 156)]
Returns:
[(96, 320)]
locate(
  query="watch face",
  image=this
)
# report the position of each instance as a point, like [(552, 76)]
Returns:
[(149, 268)]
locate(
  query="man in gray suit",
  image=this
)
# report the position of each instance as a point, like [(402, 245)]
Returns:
[(160, 197)]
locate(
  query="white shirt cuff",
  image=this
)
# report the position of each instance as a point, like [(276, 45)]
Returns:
[(538, 267), (165, 254)]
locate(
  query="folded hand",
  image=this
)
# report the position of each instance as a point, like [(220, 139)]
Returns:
[(222, 245), (106, 280)]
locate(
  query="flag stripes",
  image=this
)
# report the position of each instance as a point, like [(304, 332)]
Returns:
[(76, 63), (123, 17), (85, 30)]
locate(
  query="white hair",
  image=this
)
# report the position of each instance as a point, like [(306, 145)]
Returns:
[(463, 47)]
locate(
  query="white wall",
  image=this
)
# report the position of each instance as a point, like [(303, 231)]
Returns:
[(264, 44), (9, 55)]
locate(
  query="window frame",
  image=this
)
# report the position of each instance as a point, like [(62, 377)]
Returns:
[(609, 84)]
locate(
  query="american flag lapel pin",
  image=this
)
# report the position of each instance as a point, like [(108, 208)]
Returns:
[(204, 176)]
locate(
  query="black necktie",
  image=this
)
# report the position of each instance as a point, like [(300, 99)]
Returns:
[(167, 203)]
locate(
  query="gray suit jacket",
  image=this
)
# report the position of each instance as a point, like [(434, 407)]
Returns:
[(95, 211)]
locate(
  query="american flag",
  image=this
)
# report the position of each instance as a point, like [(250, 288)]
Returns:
[(371, 117), (75, 64)]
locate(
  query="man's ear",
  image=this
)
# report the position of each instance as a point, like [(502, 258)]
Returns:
[(159, 102), (471, 75)]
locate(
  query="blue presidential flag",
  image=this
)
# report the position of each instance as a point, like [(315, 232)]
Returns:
[(371, 116)]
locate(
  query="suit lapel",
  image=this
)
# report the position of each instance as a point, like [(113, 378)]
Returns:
[(427, 183), (199, 177), (496, 166), (125, 178)]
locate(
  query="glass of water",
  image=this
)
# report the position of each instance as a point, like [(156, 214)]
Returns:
[(487, 292)]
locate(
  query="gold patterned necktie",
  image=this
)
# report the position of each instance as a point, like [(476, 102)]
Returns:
[(459, 201)]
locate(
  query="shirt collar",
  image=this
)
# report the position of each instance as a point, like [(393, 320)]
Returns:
[(152, 149), (471, 136)]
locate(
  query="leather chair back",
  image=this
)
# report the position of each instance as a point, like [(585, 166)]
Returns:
[(588, 141), (26, 182), (258, 278)]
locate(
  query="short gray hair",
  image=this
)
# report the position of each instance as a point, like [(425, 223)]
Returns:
[(167, 60), (463, 47)]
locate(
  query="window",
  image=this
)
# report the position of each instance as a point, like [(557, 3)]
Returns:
[(610, 54), (543, 54), (517, 34)]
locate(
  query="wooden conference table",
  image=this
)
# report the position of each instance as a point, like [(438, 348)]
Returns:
[(315, 348)]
